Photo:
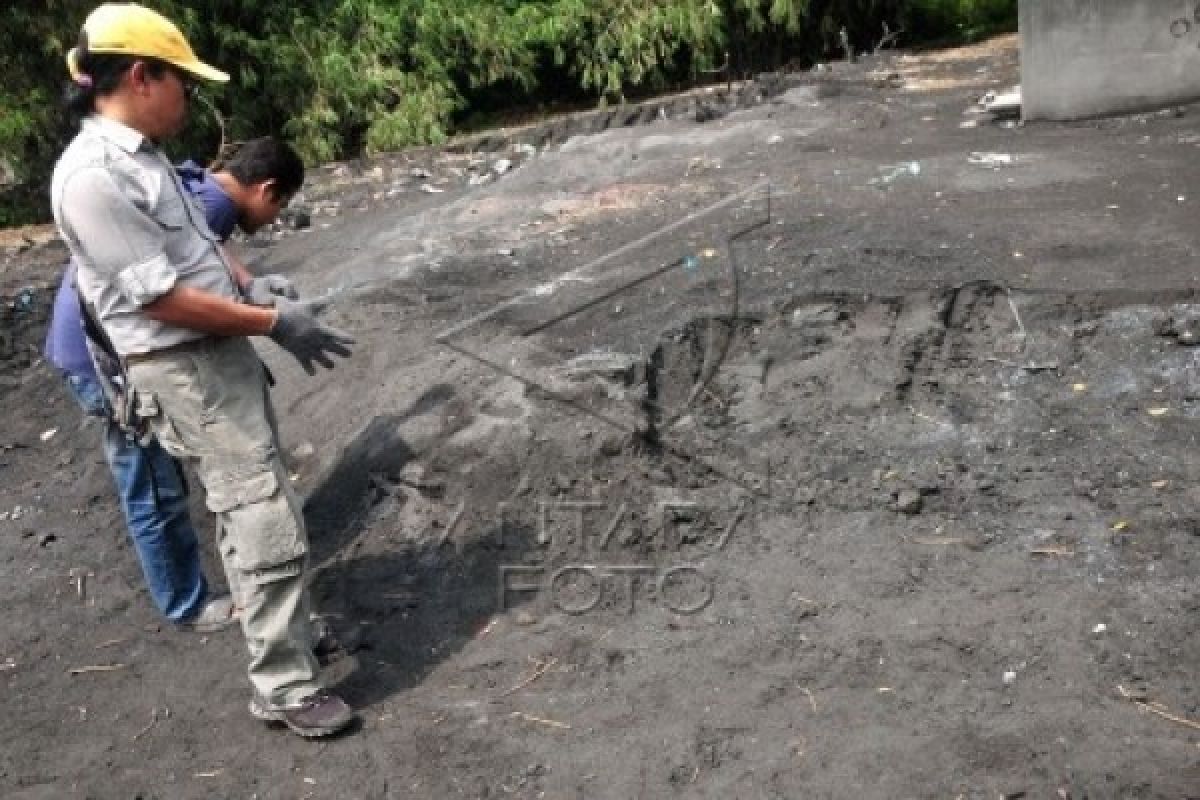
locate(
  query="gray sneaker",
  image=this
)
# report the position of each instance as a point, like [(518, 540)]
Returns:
[(320, 714), (217, 615)]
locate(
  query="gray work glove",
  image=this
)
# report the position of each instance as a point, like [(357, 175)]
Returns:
[(264, 290), (298, 331)]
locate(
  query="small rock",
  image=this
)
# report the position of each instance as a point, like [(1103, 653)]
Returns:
[(908, 501), (296, 218), (612, 446), (303, 451), (806, 496), (526, 618), (502, 166)]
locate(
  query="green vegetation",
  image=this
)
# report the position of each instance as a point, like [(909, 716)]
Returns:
[(342, 77)]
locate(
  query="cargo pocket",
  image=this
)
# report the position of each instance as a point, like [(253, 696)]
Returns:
[(142, 416), (257, 517)]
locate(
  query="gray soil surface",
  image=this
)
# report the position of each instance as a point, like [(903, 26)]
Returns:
[(642, 485)]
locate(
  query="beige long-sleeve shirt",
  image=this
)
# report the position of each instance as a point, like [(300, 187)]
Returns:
[(135, 233)]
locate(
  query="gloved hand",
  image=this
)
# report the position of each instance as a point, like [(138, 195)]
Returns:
[(264, 290), (298, 331)]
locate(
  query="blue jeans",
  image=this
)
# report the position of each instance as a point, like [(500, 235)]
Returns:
[(154, 499)]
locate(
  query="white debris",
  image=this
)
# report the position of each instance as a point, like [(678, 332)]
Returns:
[(430, 189), (1007, 102), (502, 166), (1010, 677), (1101, 628), (888, 174), (48, 435), (993, 160)]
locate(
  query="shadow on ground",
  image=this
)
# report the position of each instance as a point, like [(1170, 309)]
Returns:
[(401, 599)]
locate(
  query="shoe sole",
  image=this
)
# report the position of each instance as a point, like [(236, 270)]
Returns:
[(278, 718)]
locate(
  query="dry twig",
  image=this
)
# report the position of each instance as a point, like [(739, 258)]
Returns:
[(812, 700), (97, 668), (1047, 367), (541, 720), (1020, 325), (153, 719), (110, 643), (1065, 552), (943, 541), (541, 669), (1155, 708)]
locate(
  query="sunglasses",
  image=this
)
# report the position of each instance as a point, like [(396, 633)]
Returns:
[(191, 88)]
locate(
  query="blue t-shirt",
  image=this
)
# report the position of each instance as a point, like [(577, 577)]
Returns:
[(66, 346), (219, 209)]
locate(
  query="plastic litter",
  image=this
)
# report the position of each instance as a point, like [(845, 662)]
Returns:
[(1003, 103), (25, 300)]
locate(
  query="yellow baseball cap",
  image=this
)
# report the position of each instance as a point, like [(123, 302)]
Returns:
[(133, 30)]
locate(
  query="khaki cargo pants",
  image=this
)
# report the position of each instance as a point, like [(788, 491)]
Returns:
[(207, 404)]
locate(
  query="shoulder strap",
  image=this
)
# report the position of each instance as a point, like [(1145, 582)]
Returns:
[(94, 330)]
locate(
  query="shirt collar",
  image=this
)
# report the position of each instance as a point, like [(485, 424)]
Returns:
[(118, 133)]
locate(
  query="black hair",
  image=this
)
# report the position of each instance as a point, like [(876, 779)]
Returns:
[(267, 159), (103, 73)]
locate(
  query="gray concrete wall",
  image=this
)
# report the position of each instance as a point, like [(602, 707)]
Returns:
[(1083, 58)]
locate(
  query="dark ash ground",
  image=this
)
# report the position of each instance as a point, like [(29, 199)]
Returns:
[(933, 451)]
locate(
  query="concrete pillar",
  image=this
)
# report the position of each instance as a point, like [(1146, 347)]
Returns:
[(1082, 58)]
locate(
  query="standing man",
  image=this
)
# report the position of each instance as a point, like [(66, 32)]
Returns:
[(248, 192), (155, 278)]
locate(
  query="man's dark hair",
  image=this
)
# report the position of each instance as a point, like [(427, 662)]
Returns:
[(267, 159), (104, 72)]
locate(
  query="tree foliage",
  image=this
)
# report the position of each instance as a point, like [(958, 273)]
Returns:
[(342, 77)]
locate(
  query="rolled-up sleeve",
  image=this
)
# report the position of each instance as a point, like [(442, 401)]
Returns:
[(117, 239)]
